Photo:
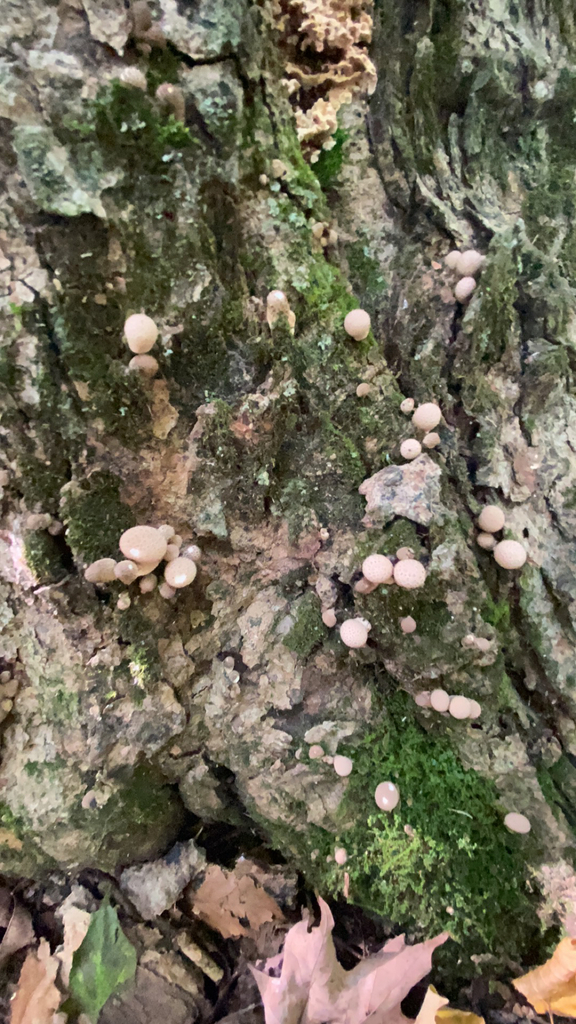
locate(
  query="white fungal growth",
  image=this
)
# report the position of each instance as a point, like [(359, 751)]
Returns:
[(353, 633), (363, 389), (475, 709), (340, 856), (101, 571), (452, 259), (329, 617), (123, 602), (140, 332), (486, 541), (491, 519), (459, 707), (315, 752), (469, 263), (517, 822), (408, 624), (431, 440), (386, 796), (510, 554), (357, 324), (343, 765), (409, 574), (143, 544), (404, 553), (146, 365), (439, 700), (407, 405), (180, 572), (427, 416), (464, 288), (377, 568), (277, 306), (411, 448)]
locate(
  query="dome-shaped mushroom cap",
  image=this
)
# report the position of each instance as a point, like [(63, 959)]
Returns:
[(409, 574), (343, 765), (431, 440), (363, 389), (459, 707), (148, 584), (146, 365), (172, 552), (377, 568), (422, 699), (140, 332), (452, 259), (315, 752), (126, 571), (410, 448), (340, 856), (167, 531), (353, 633), (386, 796), (357, 324), (475, 709), (482, 643), (404, 553), (408, 624), (363, 586), (491, 519), (329, 617), (439, 700), (180, 572), (407, 405), (427, 416), (510, 554), (464, 288), (143, 544), (166, 591), (486, 541), (193, 552), (517, 822), (469, 263), (101, 571)]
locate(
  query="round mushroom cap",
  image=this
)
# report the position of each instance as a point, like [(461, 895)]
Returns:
[(517, 822), (491, 519), (101, 571), (475, 709), (315, 752), (386, 796), (377, 568), (340, 856), (431, 440), (422, 699), (167, 531), (510, 554), (407, 405), (343, 765), (486, 541), (404, 553), (464, 288), (469, 263), (353, 633), (357, 324), (146, 365), (363, 389), (408, 624), (123, 602), (180, 572), (143, 544), (409, 574), (411, 448), (166, 591), (193, 552), (427, 416), (439, 700), (133, 77), (126, 571), (481, 643), (452, 258), (329, 617), (147, 584), (172, 552), (459, 707), (140, 332)]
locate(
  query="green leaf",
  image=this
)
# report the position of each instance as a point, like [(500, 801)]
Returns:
[(103, 962)]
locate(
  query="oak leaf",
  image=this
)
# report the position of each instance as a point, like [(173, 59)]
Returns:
[(233, 903), (552, 987), (37, 998)]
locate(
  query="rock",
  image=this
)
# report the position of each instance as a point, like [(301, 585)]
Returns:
[(214, 28), (109, 22), (155, 886), (411, 490), (155, 995)]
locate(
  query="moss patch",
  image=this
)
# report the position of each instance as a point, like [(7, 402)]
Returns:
[(308, 630), (95, 517)]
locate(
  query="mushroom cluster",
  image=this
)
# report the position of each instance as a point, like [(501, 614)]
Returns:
[(141, 333), (144, 548), (425, 418), (510, 554), (456, 705), (466, 264)]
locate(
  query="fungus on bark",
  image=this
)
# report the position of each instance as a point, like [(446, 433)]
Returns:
[(486, 541), (491, 519), (407, 405), (431, 440), (342, 765), (459, 707), (180, 573), (427, 416), (408, 624), (140, 332), (144, 364), (101, 571), (475, 709), (134, 78), (404, 553), (439, 700), (377, 568), (357, 324), (171, 98), (410, 448), (452, 259), (315, 752), (126, 571), (386, 796), (353, 633), (166, 591), (363, 389), (510, 554), (464, 288), (329, 617), (469, 263), (147, 584), (409, 574), (340, 856), (143, 544), (517, 822)]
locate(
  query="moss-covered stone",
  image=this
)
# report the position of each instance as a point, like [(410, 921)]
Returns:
[(44, 557), (308, 630)]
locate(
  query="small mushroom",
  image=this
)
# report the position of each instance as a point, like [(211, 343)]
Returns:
[(193, 552), (146, 365), (481, 643), (491, 519), (180, 572), (166, 591), (353, 633), (277, 305), (363, 389), (329, 617), (409, 574), (475, 709), (469, 263), (172, 552), (486, 541), (140, 332), (439, 700), (517, 822), (404, 553), (411, 448), (340, 856), (343, 765), (452, 259), (459, 707), (134, 78), (315, 752), (101, 571), (427, 416), (386, 796), (126, 571), (464, 288), (147, 584), (408, 624), (469, 640), (431, 440), (422, 699), (510, 554), (357, 324), (377, 568), (171, 98), (123, 602), (363, 586), (167, 531), (143, 544), (407, 405)]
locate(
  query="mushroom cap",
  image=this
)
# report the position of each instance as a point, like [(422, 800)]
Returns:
[(363, 389), (404, 553), (409, 574), (469, 263), (386, 796), (464, 288), (123, 602), (486, 541), (180, 572), (491, 519), (377, 568), (357, 324), (407, 405), (353, 633), (408, 624), (422, 699), (147, 584), (343, 765), (193, 552), (166, 591), (146, 365), (452, 258), (475, 709), (410, 448), (315, 752), (431, 440), (172, 552), (459, 707), (101, 571), (145, 568), (140, 332), (126, 571), (143, 544), (167, 531), (510, 554), (427, 416), (340, 856), (329, 617), (277, 301), (439, 700), (517, 822), (481, 643), (134, 77), (363, 586)]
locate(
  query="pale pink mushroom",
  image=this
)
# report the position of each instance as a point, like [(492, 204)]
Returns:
[(452, 258), (422, 699), (486, 541), (193, 552), (439, 700), (180, 572), (363, 586), (475, 709), (166, 591), (101, 571), (340, 856), (143, 544), (404, 553), (386, 796), (133, 77), (147, 584), (459, 707), (343, 765), (172, 552), (510, 554), (357, 324), (407, 405), (464, 288), (409, 574), (491, 519), (123, 602), (167, 531), (469, 263), (517, 822), (427, 416), (140, 332), (126, 571), (363, 389), (353, 633), (482, 644), (377, 568), (431, 440), (411, 448), (277, 306), (329, 617), (146, 365), (469, 640), (408, 624), (315, 752)]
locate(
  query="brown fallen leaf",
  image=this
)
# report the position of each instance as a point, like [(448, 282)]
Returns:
[(430, 1007), (552, 987), (313, 988), (18, 924), (37, 998), (233, 903)]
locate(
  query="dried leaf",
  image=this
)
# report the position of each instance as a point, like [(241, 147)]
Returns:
[(18, 923), (233, 903), (37, 997), (76, 923), (431, 1007), (313, 988), (552, 987)]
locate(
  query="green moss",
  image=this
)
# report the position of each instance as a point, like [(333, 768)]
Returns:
[(328, 165), (142, 654), (308, 630), (19, 853), (95, 517), (44, 557), (496, 315)]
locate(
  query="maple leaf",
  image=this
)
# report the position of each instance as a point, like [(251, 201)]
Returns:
[(313, 988), (552, 987), (227, 899)]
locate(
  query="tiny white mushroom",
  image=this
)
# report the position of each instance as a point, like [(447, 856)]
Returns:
[(404, 553), (377, 568), (464, 288), (459, 707), (422, 699), (482, 644), (144, 364), (491, 519), (386, 796), (410, 448), (427, 416), (452, 258), (140, 332), (126, 571), (180, 572), (123, 602), (364, 586), (353, 633), (408, 624), (431, 440), (143, 544), (357, 324), (409, 574), (147, 584), (475, 709), (517, 822), (315, 752), (166, 591), (439, 700), (469, 263), (340, 856), (363, 389), (101, 571), (407, 405), (510, 554), (486, 541), (343, 765), (329, 617)]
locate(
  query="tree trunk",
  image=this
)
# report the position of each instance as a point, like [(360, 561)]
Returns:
[(267, 167)]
